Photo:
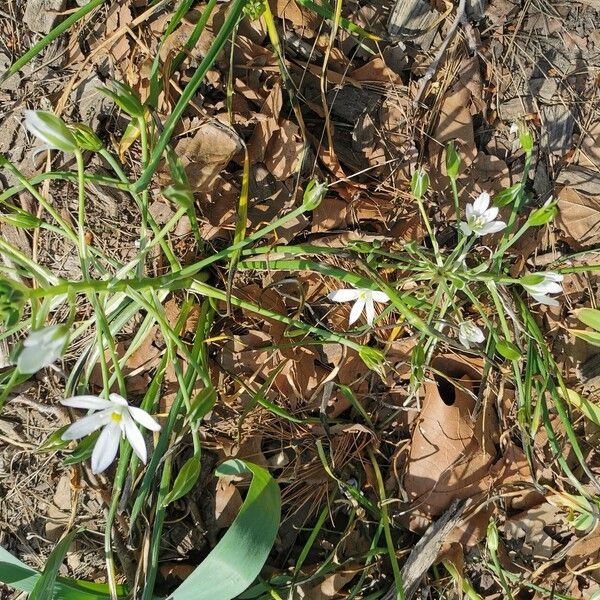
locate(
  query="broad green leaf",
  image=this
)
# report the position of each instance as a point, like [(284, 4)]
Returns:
[(185, 480), (589, 317), (19, 576), (237, 559)]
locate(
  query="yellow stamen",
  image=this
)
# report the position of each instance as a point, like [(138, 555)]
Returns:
[(116, 417)]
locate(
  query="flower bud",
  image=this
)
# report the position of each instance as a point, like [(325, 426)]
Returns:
[(492, 536), (86, 138), (374, 359), (314, 194), (51, 130), (419, 183), (525, 137), (544, 214), (452, 161), (508, 195)]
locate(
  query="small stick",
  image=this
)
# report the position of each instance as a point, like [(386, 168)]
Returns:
[(460, 17)]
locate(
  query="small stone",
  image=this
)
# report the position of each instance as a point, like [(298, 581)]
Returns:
[(42, 15), (544, 88)]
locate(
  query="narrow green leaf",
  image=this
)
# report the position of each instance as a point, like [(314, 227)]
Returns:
[(185, 480), (190, 89), (326, 11), (83, 450), (44, 586), (589, 409), (592, 337), (237, 559), (20, 576)]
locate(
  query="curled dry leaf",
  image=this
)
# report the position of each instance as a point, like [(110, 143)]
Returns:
[(451, 454)]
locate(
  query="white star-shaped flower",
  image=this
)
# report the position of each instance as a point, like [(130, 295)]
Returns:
[(42, 347), (539, 290), (481, 218), (469, 333), (117, 419), (363, 299)]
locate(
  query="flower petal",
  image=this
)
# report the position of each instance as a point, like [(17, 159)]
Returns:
[(380, 297), (106, 447), (490, 214), (356, 310), (93, 402), (464, 340), (493, 227), (87, 425), (118, 399), (143, 418), (481, 203), (469, 212), (346, 295), (552, 276), (370, 310), (464, 227), (543, 299), (135, 437)]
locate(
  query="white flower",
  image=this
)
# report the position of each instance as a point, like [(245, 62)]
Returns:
[(514, 128), (41, 348), (51, 130), (469, 333), (550, 283), (480, 218), (117, 419), (363, 300)]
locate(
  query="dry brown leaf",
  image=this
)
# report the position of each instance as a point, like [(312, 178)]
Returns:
[(284, 151), (376, 71), (331, 586), (306, 20), (455, 123), (586, 552), (534, 530), (578, 218), (228, 502), (207, 152), (450, 455)]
